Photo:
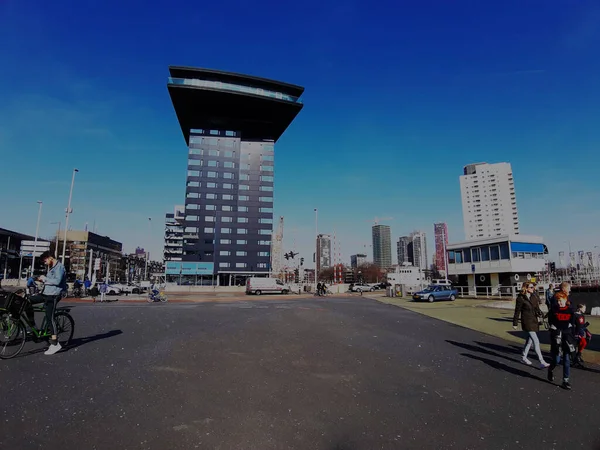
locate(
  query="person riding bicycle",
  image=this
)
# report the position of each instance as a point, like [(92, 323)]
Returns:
[(55, 283), (153, 291)]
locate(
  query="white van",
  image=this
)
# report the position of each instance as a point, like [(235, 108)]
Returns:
[(258, 286)]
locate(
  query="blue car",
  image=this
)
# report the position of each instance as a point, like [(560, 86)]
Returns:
[(436, 292)]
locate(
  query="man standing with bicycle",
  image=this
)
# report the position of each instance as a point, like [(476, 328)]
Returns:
[(55, 283)]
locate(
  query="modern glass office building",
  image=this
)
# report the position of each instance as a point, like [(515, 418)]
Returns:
[(382, 246), (230, 123)]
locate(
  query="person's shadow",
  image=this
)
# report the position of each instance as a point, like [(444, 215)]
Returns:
[(493, 363), (77, 342), (73, 344)]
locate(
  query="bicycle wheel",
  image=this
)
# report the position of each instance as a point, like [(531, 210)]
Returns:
[(163, 298), (66, 327), (12, 337)]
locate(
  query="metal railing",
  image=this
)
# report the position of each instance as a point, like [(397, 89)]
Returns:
[(505, 292)]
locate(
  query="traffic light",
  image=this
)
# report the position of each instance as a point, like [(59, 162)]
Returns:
[(301, 261), (296, 276), (287, 256)]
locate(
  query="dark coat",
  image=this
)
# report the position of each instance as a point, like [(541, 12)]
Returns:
[(528, 309)]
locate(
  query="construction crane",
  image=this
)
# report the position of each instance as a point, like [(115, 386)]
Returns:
[(376, 220)]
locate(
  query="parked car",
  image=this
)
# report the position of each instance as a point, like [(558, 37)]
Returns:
[(123, 288), (113, 289), (436, 292), (362, 287)]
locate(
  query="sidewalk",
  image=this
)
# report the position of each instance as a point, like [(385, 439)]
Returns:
[(489, 317), (203, 297)]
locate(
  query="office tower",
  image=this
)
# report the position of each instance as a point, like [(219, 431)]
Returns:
[(488, 200), (402, 250), (419, 249), (323, 252), (357, 260), (382, 246), (440, 232), (230, 123)]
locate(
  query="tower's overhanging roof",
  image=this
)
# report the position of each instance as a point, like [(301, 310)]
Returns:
[(259, 108)]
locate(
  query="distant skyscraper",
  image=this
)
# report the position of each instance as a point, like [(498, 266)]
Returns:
[(419, 249), (173, 247), (357, 260), (488, 200), (402, 250), (324, 252), (382, 246), (441, 244)]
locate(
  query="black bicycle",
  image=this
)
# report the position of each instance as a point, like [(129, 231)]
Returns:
[(14, 323)]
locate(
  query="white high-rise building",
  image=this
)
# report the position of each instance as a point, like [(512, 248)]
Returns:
[(488, 200), (419, 249)]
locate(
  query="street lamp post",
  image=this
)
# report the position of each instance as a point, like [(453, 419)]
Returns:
[(316, 245), (67, 213), (149, 238), (37, 230), (57, 236)]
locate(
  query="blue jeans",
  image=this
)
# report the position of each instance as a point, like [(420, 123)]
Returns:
[(566, 362)]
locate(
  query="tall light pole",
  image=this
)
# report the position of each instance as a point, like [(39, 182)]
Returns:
[(68, 212), (316, 245), (57, 235), (37, 230), (149, 238)]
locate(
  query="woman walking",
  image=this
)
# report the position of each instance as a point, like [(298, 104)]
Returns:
[(528, 310)]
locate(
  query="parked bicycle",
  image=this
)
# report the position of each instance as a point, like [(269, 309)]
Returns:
[(14, 323)]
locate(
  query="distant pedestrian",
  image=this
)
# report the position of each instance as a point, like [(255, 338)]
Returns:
[(31, 286), (94, 293), (528, 310), (549, 296), (562, 342), (103, 291), (318, 289), (87, 284), (582, 335)]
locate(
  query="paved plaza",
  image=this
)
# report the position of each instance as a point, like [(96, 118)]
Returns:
[(298, 373)]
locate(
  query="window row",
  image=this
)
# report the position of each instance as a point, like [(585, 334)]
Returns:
[(225, 265), (237, 242), (227, 208), (213, 196), (225, 230), (240, 253), (211, 163), (493, 252), (225, 175), (211, 174), (225, 219)]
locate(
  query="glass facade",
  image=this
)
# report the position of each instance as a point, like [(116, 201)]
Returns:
[(233, 88), (229, 194), (496, 252)]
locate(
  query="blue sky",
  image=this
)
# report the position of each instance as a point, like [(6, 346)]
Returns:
[(399, 97)]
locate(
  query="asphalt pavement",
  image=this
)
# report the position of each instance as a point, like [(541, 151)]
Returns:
[(332, 373)]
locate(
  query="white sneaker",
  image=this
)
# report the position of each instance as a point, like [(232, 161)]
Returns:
[(544, 365), (524, 360), (53, 349)]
